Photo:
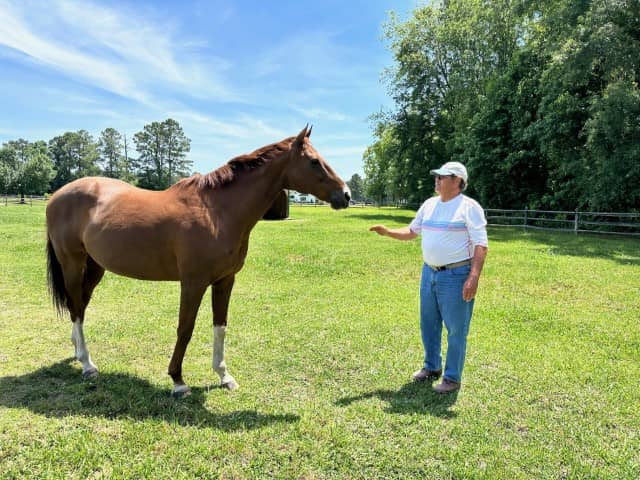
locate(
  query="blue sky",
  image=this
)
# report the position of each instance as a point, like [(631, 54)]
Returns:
[(237, 75)]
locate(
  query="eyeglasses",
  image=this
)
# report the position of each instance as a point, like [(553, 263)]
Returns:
[(442, 177)]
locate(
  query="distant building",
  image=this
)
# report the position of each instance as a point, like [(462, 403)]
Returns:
[(297, 197)]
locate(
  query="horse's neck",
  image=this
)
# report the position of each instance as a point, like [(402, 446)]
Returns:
[(249, 197)]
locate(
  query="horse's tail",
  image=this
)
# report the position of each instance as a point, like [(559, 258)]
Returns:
[(56, 280)]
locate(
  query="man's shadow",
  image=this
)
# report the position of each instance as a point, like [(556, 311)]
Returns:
[(58, 391), (413, 397)]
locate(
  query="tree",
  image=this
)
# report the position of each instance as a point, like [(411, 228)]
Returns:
[(110, 148), (163, 148), (379, 160), (613, 146), (74, 155), (500, 146), (8, 169), (356, 185), (177, 145), (37, 171), (25, 168), (592, 76), (445, 54), (542, 95)]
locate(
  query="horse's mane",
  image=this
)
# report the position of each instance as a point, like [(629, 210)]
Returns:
[(228, 172)]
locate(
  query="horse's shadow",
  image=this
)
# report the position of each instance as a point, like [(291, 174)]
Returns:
[(58, 391), (412, 398)]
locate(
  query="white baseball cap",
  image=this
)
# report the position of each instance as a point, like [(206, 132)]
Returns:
[(452, 168)]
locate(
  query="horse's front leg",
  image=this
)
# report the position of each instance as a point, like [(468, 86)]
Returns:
[(190, 297), (220, 295)]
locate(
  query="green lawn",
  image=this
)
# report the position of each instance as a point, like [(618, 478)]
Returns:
[(323, 338)]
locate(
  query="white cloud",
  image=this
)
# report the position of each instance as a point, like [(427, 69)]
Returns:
[(316, 114), (67, 58), (115, 51), (344, 152), (16, 34), (243, 127), (312, 54)]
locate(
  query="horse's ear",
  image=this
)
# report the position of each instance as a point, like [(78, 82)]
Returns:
[(303, 133), (309, 131)]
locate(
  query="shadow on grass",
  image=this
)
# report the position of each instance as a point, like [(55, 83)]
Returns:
[(58, 391), (400, 217), (413, 397), (622, 250)]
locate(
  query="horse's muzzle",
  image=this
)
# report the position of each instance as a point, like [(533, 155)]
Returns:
[(340, 198)]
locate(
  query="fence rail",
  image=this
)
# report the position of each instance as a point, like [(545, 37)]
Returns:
[(569, 221), (22, 200), (612, 223)]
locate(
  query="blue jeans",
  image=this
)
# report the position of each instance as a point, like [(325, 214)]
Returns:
[(441, 302)]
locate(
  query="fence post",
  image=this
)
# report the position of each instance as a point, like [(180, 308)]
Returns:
[(526, 210), (576, 221)]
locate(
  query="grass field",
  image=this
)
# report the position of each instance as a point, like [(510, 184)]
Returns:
[(323, 338)]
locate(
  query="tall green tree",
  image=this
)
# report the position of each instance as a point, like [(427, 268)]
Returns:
[(379, 167), (613, 149), (444, 56), (163, 149), (500, 148), (537, 97), (356, 185), (37, 171), (74, 155), (593, 75), (25, 167), (110, 147), (8, 169)]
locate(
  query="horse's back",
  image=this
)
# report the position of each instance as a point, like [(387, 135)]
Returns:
[(126, 230), (87, 191), (70, 207), (78, 208)]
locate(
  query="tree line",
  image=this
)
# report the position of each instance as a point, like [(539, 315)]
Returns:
[(539, 99), (33, 168)]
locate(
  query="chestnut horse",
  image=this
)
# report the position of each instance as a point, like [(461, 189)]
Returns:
[(196, 232)]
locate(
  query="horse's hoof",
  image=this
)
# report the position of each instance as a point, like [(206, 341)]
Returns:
[(89, 374), (231, 385), (181, 391)]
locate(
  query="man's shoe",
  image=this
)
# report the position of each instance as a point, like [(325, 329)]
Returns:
[(447, 386), (424, 374)]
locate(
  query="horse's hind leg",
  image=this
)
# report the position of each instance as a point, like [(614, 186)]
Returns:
[(81, 275), (92, 276)]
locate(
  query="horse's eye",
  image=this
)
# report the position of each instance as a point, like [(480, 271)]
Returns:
[(315, 162)]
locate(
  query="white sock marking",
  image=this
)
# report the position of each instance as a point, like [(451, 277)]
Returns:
[(82, 354), (219, 365)]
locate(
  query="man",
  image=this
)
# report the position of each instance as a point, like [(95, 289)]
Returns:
[(454, 246)]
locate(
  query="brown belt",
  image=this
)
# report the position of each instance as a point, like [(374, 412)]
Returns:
[(451, 265)]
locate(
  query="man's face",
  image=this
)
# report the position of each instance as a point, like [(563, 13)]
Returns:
[(447, 184)]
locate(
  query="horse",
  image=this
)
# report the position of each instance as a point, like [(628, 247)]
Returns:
[(195, 232)]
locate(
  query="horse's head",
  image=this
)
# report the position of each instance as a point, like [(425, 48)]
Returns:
[(308, 172)]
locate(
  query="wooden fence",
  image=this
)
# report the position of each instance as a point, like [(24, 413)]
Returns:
[(612, 223), (568, 221), (22, 200)]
